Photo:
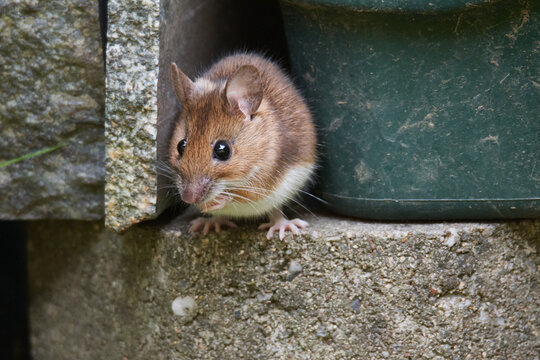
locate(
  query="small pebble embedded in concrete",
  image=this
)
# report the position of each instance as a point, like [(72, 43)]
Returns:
[(451, 237), (322, 332), (263, 297), (355, 305), (294, 270), (184, 306)]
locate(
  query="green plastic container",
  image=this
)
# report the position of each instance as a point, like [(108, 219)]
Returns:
[(427, 110)]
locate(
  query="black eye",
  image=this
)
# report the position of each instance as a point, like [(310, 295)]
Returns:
[(181, 146), (222, 150)]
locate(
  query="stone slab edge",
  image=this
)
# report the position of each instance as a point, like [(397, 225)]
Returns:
[(343, 289), (131, 112)]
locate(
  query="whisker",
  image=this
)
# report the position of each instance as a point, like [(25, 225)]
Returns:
[(236, 195), (166, 187), (168, 176), (251, 202), (248, 190), (289, 198), (291, 208), (300, 204), (235, 207), (314, 197), (299, 190)]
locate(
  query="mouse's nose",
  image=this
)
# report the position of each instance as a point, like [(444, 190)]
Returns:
[(195, 191)]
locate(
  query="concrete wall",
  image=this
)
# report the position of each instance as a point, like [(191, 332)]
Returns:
[(343, 289)]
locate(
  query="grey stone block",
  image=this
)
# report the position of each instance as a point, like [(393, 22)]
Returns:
[(360, 291), (52, 92), (131, 112)]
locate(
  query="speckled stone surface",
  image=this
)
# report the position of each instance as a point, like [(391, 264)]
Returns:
[(342, 290), (131, 112), (52, 92)]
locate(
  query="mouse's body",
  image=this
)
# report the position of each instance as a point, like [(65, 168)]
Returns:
[(244, 144)]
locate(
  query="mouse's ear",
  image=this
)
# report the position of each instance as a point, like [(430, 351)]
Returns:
[(245, 91), (182, 84)]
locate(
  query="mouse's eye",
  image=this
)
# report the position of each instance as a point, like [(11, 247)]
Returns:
[(222, 150), (181, 146)]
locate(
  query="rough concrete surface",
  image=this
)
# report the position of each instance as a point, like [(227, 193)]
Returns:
[(52, 92), (343, 289)]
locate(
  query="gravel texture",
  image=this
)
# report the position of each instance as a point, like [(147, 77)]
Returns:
[(52, 92), (360, 291)]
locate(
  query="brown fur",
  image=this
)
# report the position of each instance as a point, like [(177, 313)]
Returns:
[(280, 135)]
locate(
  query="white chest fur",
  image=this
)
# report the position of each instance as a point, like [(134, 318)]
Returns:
[(293, 181)]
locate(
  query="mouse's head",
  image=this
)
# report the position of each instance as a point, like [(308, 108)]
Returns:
[(224, 140)]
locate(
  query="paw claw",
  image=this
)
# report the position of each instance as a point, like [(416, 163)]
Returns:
[(300, 223), (206, 228), (197, 224), (281, 225), (209, 224), (265, 226)]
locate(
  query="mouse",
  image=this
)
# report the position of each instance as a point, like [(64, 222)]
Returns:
[(244, 144)]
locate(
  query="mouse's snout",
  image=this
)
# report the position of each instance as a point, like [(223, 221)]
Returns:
[(196, 190)]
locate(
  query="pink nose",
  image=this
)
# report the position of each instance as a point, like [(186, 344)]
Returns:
[(196, 191)]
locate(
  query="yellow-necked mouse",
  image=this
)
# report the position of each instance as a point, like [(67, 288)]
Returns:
[(244, 144)]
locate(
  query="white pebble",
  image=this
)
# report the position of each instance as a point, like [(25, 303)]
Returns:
[(451, 237), (184, 306), (294, 268)]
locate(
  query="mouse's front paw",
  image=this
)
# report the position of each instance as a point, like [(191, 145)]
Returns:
[(207, 224), (282, 224)]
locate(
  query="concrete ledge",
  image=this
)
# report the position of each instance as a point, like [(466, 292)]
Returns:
[(342, 290)]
